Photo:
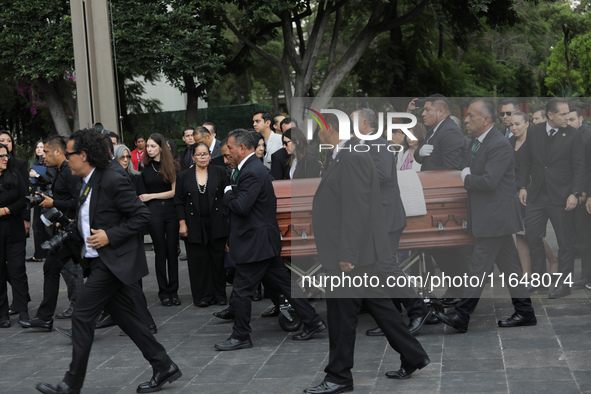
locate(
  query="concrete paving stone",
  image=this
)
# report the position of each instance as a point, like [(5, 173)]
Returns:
[(473, 382), (544, 386), (579, 360), (297, 359), (269, 371), (538, 374), (583, 380), (531, 343), (243, 356), (472, 364), (574, 342), (416, 384), (430, 371), (469, 352), (540, 358), (238, 373), (276, 385), (565, 311), (577, 329)]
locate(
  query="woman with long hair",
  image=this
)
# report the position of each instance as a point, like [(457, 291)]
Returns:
[(122, 155), (13, 190), (406, 159), (519, 125), (38, 182), (204, 225), (158, 185), (301, 162)]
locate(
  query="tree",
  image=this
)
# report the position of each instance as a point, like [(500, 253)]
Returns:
[(36, 47)]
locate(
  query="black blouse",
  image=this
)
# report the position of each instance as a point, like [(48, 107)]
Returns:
[(153, 181), (13, 198)]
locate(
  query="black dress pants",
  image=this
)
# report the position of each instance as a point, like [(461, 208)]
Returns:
[(487, 252), (164, 231), (537, 214), (248, 276), (103, 290), (583, 230), (13, 271), (342, 324), (206, 270)]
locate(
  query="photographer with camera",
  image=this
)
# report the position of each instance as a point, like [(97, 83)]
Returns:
[(66, 191)]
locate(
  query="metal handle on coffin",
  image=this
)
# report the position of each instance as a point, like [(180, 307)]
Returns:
[(440, 226), (465, 225)]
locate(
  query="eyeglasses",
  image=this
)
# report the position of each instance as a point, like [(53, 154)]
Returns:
[(4, 157), (68, 154), (508, 113), (125, 157), (201, 154), (285, 142)]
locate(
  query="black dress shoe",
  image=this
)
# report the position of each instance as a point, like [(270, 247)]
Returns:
[(159, 378), (329, 388), (518, 320), (104, 321), (67, 314), (5, 323), (375, 332), (560, 291), (273, 312), (539, 289), (452, 319), (432, 319), (233, 344), (450, 302), (308, 332), (415, 324), (37, 323), (166, 302), (224, 314), (67, 332), (406, 372), (257, 296), (175, 301), (12, 312), (153, 329), (60, 388), (203, 304), (222, 302)]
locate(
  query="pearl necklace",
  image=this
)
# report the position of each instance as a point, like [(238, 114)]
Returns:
[(203, 188)]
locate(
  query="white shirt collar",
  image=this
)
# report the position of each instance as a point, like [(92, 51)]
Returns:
[(244, 161), (483, 136), (550, 128), (337, 149), (438, 124), (87, 177)]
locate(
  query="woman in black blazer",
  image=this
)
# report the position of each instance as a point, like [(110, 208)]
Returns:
[(13, 190), (204, 225), (302, 162)]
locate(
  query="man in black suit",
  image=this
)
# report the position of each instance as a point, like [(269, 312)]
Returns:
[(255, 244), (110, 219), (553, 158), (66, 191), (444, 149), (202, 134), (186, 158), (395, 218), (493, 216), (351, 244), (582, 218)]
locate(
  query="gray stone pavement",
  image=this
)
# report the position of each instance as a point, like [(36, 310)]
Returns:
[(552, 357)]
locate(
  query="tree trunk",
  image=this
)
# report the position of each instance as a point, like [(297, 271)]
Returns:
[(192, 101), (56, 108)]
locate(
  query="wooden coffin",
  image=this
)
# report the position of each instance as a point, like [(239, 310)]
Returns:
[(442, 226)]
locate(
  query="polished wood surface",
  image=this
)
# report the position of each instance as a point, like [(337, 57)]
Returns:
[(442, 226)]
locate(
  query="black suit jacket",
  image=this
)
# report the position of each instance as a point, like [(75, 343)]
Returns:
[(186, 158), (217, 148), (116, 208), (279, 167), (586, 135), (385, 164), (308, 168), (562, 170), (347, 213), (449, 148), (254, 232), (186, 201), (493, 208), (21, 166)]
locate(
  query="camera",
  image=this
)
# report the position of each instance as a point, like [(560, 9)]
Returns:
[(37, 199), (420, 103), (68, 234)]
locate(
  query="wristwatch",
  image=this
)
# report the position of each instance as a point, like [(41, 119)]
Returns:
[(577, 194)]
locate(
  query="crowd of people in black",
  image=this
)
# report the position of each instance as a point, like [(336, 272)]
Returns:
[(217, 197)]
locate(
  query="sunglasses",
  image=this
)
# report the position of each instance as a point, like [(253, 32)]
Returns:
[(126, 157), (68, 154), (286, 142), (4, 157), (508, 113)]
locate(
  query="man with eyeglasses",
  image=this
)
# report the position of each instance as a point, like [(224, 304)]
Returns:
[(110, 219), (66, 190), (508, 107)]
